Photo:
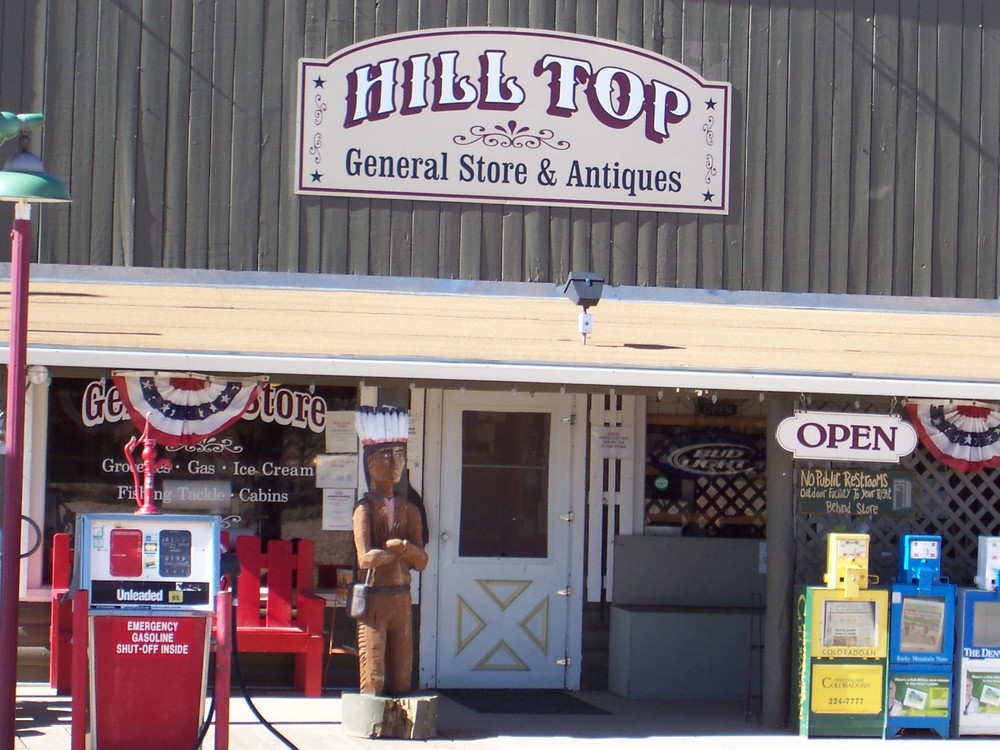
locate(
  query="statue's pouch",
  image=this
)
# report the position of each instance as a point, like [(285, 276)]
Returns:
[(357, 602)]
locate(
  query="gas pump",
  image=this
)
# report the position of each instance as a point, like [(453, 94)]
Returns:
[(145, 592), (976, 705), (152, 581), (841, 646), (921, 641)]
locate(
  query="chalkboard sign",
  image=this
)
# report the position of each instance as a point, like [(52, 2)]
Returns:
[(857, 492)]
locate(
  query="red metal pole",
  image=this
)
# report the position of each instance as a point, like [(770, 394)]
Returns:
[(80, 671), (10, 552), (223, 659)]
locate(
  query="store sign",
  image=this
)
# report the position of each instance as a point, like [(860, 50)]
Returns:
[(513, 116), (847, 436), (283, 406), (709, 454), (271, 457), (858, 492), (716, 408)]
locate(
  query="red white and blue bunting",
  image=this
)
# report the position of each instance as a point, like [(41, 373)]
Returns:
[(184, 408), (964, 435)]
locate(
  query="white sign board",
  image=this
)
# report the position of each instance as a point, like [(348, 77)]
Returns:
[(612, 442), (507, 115), (338, 509), (338, 470), (847, 436), (340, 432)]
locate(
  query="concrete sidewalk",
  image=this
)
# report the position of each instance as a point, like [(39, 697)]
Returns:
[(43, 724)]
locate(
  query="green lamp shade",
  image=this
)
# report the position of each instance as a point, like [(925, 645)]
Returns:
[(24, 179), (32, 187)]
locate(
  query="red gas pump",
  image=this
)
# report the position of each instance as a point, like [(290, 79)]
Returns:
[(150, 585)]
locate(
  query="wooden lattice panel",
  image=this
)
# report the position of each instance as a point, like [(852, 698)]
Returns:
[(957, 507), (732, 506), (721, 506)]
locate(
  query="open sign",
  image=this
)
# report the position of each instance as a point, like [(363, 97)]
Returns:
[(846, 436)]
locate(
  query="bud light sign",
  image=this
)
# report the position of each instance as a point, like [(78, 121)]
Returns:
[(709, 454)]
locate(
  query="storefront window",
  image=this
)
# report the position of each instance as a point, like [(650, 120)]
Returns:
[(259, 475), (705, 482)]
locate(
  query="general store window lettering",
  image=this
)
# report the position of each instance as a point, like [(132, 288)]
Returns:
[(259, 475)]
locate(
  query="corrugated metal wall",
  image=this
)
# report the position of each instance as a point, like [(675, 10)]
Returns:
[(865, 144)]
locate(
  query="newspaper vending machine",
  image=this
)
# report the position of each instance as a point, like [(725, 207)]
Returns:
[(976, 704), (921, 641), (841, 647)]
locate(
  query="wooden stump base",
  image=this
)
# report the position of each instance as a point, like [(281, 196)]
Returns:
[(412, 717)]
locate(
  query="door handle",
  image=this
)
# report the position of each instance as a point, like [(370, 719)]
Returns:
[(444, 536)]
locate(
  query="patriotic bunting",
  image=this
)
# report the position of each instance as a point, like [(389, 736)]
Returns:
[(964, 435), (184, 408)]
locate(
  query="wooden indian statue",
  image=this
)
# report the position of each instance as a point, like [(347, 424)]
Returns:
[(389, 538)]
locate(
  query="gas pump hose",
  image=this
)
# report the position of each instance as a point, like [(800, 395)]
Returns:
[(231, 569), (204, 727), (243, 686)]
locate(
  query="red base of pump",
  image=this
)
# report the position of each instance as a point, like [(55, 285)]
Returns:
[(149, 681), (148, 674)]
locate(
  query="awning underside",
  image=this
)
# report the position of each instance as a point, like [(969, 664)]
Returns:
[(219, 322)]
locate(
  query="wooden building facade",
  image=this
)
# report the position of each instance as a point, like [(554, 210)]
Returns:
[(864, 175), (864, 161)]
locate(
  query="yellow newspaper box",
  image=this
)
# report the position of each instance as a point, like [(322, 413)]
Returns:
[(842, 647)]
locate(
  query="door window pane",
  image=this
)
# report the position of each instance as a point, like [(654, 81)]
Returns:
[(505, 484)]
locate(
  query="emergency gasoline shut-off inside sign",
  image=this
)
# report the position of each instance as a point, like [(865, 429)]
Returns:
[(513, 116)]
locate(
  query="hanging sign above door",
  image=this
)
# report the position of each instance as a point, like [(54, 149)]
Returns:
[(847, 436), (507, 115)]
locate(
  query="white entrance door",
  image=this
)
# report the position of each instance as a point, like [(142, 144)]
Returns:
[(504, 541)]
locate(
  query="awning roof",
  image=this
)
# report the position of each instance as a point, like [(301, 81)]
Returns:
[(478, 332)]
